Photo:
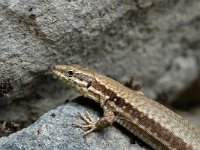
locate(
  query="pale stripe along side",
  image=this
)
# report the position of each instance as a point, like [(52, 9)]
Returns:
[(158, 136)]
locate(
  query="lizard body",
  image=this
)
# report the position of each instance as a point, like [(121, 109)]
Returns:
[(152, 122)]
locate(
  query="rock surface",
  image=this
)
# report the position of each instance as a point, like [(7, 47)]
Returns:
[(156, 41), (54, 131)]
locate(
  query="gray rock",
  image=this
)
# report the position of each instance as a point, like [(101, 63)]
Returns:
[(156, 41), (54, 131)]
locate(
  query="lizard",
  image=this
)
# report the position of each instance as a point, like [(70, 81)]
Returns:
[(150, 121)]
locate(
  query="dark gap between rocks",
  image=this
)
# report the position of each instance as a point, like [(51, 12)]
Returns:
[(189, 98)]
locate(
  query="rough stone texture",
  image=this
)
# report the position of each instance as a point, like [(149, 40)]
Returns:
[(156, 41), (54, 131)]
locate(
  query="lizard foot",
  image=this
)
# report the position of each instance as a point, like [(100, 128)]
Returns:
[(90, 125)]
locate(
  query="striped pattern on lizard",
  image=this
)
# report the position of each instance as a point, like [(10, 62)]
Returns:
[(152, 122)]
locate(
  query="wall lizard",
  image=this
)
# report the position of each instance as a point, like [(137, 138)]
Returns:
[(152, 122)]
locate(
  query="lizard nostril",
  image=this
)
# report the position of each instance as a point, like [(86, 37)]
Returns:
[(53, 68)]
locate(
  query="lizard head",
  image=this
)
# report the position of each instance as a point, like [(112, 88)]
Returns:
[(76, 76)]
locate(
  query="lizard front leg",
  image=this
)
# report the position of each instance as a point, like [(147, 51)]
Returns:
[(92, 125)]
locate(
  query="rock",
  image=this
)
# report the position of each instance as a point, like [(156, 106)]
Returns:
[(54, 131), (35, 35), (156, 41)]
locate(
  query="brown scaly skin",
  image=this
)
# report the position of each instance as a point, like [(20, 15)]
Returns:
[(150, 121)]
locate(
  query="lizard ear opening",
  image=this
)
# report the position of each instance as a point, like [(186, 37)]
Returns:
[(89, 84)]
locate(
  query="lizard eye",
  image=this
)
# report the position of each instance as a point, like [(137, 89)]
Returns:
[(70, 73)]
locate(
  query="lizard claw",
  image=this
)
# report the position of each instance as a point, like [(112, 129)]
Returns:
[(90, 125)]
